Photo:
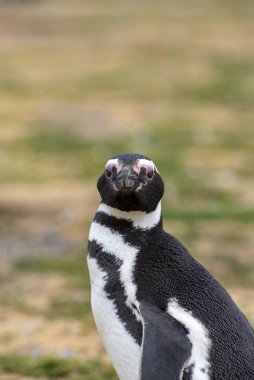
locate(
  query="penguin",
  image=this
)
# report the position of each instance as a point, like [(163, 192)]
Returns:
[(160, 314)]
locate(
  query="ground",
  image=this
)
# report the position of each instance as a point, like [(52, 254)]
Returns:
[(79, 83)]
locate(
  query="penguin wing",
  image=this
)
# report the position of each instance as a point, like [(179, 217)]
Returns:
[(165, 346)]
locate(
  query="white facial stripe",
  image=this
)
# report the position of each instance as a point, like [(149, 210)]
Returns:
[(148, 164), (199, 337), (120, 345), (114, 162), (114, 244), (145, 162), (140, 219)]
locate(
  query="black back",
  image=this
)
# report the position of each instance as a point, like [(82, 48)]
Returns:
[(164, 269)]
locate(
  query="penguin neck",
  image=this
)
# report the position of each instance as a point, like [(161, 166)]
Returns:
[(138, 219)]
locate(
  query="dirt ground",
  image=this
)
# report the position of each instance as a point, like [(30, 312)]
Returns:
[(82, 81)]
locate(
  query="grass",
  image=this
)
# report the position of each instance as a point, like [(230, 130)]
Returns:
[(212, 214), (50, 141), (74, 299), (238, 273), (55, 368), (73, 266), (229, 84), (170, 142), (80, 83), (68, 308)]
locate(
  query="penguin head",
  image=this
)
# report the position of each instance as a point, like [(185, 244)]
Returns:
[(131, 182)]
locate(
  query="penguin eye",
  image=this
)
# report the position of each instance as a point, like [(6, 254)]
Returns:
[(149, 171), (108, 172), (145, 168), (149, 174), (112, 167)]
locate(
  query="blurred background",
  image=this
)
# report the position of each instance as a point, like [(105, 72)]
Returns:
[(81, 81)]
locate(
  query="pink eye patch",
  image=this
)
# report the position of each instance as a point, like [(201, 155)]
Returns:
[(141, 165), (147, 165), (109, 167)]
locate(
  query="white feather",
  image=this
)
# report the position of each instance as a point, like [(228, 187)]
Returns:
[(120, 345), (139, 219), (144, 162), (113, 162), (199, 338), (114, 244)]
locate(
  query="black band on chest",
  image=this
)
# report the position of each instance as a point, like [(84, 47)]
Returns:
[(115, 290)]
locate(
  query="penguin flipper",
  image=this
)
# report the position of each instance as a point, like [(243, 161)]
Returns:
[(165, 346)]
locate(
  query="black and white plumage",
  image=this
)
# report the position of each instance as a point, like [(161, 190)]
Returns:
[(160, 314)]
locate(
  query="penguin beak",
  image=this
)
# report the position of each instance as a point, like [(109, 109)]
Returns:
[(127, 179)]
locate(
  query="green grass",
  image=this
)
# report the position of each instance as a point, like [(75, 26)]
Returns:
[(180, 78), (216, 214), (68, 308), (72, 265), (228, 84), (168, 142), (55, 368), (52, 141), (61, 307), (12, 85), (238, 273), (72, 303)]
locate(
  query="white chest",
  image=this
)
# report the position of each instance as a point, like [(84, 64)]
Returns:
[(119, 343)]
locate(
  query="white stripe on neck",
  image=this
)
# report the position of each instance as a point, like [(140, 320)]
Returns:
[(139, 219)]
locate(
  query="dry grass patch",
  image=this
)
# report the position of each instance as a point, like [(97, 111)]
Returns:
[(28, 328), (35, 336)]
